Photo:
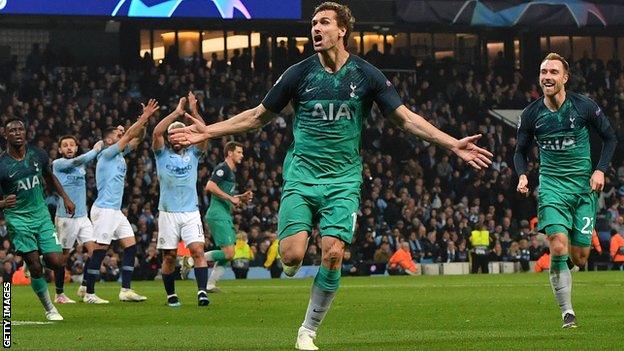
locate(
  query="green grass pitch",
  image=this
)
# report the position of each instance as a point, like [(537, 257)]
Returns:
[(484, 312)]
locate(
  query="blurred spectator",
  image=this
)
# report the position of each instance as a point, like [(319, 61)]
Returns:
[(401, 261), (480, 242), (273, 263), (349, 267), (617, 250), (543, 263), (242, 256)]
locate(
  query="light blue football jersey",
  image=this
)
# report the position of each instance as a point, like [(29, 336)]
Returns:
[(71, 174), (110, 175), (177, 176)]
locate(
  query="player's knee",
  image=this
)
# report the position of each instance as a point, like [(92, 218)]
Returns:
[(291, 257), (580, 259), (229, 254), (558, 245), (197, 253), (35, 269), (333, 254), (169, 258)]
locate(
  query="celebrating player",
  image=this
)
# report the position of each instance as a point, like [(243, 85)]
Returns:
[(22, 171), (332, 92), (179, 216), (568, 191), (109, 223), (70, 171), (221, 185)]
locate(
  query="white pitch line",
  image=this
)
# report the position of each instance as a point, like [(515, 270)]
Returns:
[(29, 323), (391, 286)]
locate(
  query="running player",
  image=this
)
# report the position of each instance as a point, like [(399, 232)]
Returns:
[(22, 171), (568, 190), (178, 216), (221, 186), (332, 92), (109, 223), (70, 171)]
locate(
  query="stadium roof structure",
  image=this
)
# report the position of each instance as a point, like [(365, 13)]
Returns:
[(512, 13)]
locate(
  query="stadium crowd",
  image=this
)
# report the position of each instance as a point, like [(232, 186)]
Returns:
[(417, 200)]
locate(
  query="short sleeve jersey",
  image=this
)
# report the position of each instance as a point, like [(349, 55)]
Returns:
[(329, 111), (24, 178), (224, 177), (177, 177)]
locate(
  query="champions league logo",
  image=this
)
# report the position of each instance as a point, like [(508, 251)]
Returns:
[(166, 8)]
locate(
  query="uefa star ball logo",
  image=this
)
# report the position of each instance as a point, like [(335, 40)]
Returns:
[(166, 8)]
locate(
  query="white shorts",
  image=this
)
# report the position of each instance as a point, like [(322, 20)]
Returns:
[(109, 225), (70, 229), (173, 226)]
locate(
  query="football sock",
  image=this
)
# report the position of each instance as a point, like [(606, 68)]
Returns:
[(561, 282), (216, 274), (84, 272), (59, 279), (93, 269), (323, 292), (169, 281), (127, 266), (40, 286), (201, 277)]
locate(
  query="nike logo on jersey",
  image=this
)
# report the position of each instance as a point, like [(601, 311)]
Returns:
[(307, 90), (539, 125), (12, 174)]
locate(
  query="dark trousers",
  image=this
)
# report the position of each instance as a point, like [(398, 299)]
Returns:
[(276, 269), (480, 261), (240, 273)]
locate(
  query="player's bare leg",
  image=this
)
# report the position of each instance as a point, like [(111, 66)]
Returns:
[(560, 277), (201, 271), (168, 269), (38, 282), (323, 292), (579, 255), (127, 269), (292, 250)]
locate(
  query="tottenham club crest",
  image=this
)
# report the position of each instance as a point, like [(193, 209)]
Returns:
[(353, 87)]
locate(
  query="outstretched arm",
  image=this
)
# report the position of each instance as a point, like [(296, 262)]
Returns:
[(62, 164), (136, 129), (247, 120), (195, 112), (158, 138), (465, 148)]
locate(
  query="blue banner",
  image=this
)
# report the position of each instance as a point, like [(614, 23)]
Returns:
[(227, 9)]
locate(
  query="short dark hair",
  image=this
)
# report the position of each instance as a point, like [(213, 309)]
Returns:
[(109, 130), (14, 119), (344, 17), (231, 146), (555, 56), (67, 137)]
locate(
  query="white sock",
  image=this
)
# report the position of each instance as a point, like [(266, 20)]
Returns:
[(216, 274), (561, 283), (319, 304)]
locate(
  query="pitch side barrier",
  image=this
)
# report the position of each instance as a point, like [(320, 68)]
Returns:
[(454, 268)]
